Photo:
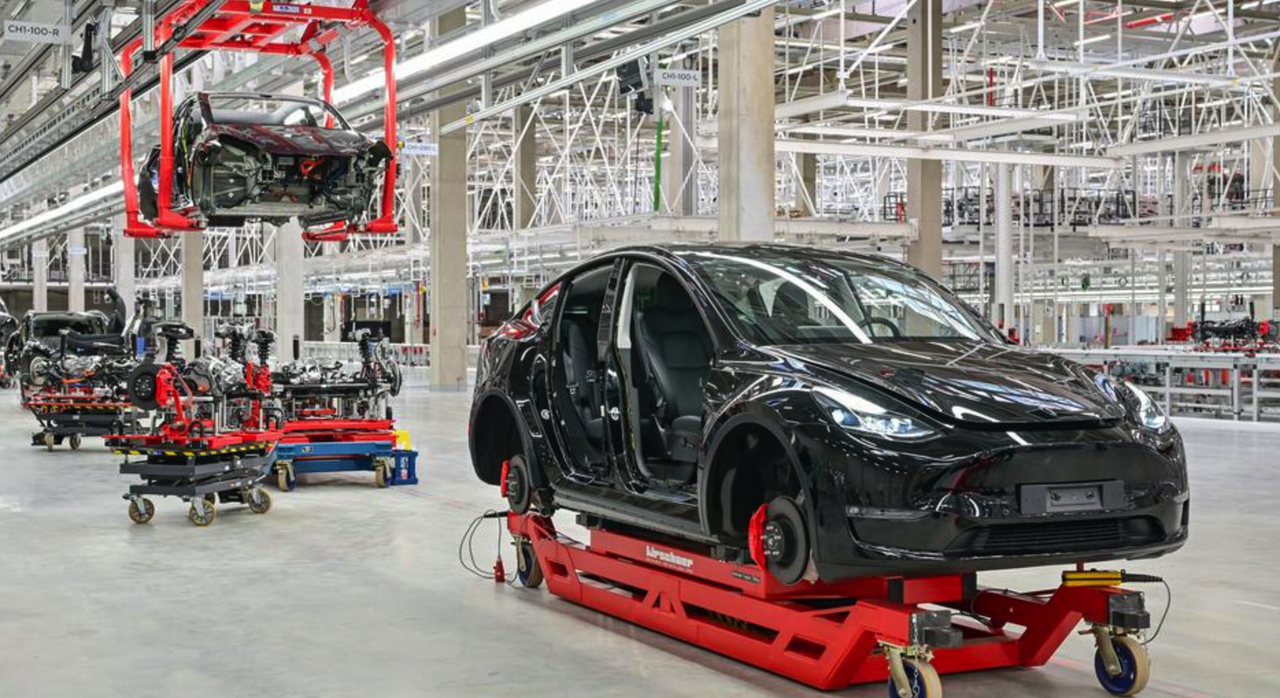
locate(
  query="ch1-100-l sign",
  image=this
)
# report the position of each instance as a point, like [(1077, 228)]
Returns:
[(36, 32)]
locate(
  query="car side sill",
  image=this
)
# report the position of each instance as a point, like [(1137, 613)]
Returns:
[(632, 516)]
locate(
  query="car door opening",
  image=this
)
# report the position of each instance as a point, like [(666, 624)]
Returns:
[(667, 350)]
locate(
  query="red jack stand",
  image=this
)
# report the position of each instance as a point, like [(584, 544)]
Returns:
[(831, 636)]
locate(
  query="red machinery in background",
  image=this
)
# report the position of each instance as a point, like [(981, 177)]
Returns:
[(256, 26), (212, 443)]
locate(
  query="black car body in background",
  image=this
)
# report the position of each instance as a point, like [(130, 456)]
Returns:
[(271, 157), (888, 428)]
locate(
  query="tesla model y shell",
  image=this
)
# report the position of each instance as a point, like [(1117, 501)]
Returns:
[(870, 420)]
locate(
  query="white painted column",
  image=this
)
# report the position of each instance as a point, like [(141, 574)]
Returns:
[(76, 253), (450, 317), (40, 275), (193, 287), (333, 317), (1002, 312), (924, 177), (679, 180), (124, 264), (746, 191), (290, 308)]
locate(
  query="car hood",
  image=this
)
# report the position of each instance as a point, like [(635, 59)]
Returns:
[(294, 140), (972, 383)]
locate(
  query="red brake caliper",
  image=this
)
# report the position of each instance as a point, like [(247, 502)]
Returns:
[(506, 470), (755, 536)]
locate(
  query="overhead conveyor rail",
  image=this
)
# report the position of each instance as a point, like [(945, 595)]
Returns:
[(261, 27)]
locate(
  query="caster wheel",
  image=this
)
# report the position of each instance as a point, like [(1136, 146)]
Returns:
[(259, 501), (75, 442), (1135, 668), (285, 479), (141, 510), (49, 442), (202, 513), (785, 541), (528, 571), (517, 485), (921, 677), (381, 477)]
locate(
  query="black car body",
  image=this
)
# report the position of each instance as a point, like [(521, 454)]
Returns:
[(680, 389), (245, 155)]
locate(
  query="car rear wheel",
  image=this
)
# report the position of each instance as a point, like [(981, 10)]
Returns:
[(517, 485)]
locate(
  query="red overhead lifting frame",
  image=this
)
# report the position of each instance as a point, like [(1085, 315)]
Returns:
[(826, 636), (237, 26)]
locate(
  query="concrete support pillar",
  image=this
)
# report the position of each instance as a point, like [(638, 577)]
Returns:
[(746, 129), (450, 317), (1002, 313), (76, 253), (124, 265), (807, 184), (290, 254), (1181, 259), (924, 177), (1162, 299), (40, 275), (193, 287), (526, 167), (679, 176)]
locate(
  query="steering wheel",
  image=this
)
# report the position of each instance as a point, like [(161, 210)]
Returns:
[(866, 324)]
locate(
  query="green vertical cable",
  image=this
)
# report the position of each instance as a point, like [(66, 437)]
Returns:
[(657, 165)]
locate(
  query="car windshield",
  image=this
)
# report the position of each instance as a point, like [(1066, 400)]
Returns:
[(261, 110), (52, 326), (805, 298)]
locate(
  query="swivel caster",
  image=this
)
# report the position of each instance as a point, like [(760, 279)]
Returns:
[(528, 571), (75, 442), (141, 510), (913, 677), (259, 500), (1127, 670), (49, 441), (202, 512), (286, 481), (382, 474)]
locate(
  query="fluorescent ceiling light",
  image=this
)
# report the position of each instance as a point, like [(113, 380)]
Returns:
[(1091, 40), (498, 31), (80, 202), (965, 27)]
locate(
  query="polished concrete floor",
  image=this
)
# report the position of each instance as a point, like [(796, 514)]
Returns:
[(346, 590)]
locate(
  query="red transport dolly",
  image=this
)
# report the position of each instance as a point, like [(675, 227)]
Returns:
[(830, 636), (74, 413)]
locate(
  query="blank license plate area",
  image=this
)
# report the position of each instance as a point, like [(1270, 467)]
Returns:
[(1059, 499)]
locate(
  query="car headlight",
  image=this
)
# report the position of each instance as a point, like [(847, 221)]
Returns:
[(857, 413), (1149, 413)]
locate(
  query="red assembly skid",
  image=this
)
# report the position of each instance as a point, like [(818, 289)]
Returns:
[(241, 25), (826, 636)]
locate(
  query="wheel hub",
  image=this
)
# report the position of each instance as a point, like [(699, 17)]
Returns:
[(775, 541)]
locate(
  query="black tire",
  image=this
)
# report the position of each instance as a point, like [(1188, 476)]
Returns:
[(786, 541), (519, 485)]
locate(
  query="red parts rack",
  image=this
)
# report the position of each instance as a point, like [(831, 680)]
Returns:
[(242, 25)]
